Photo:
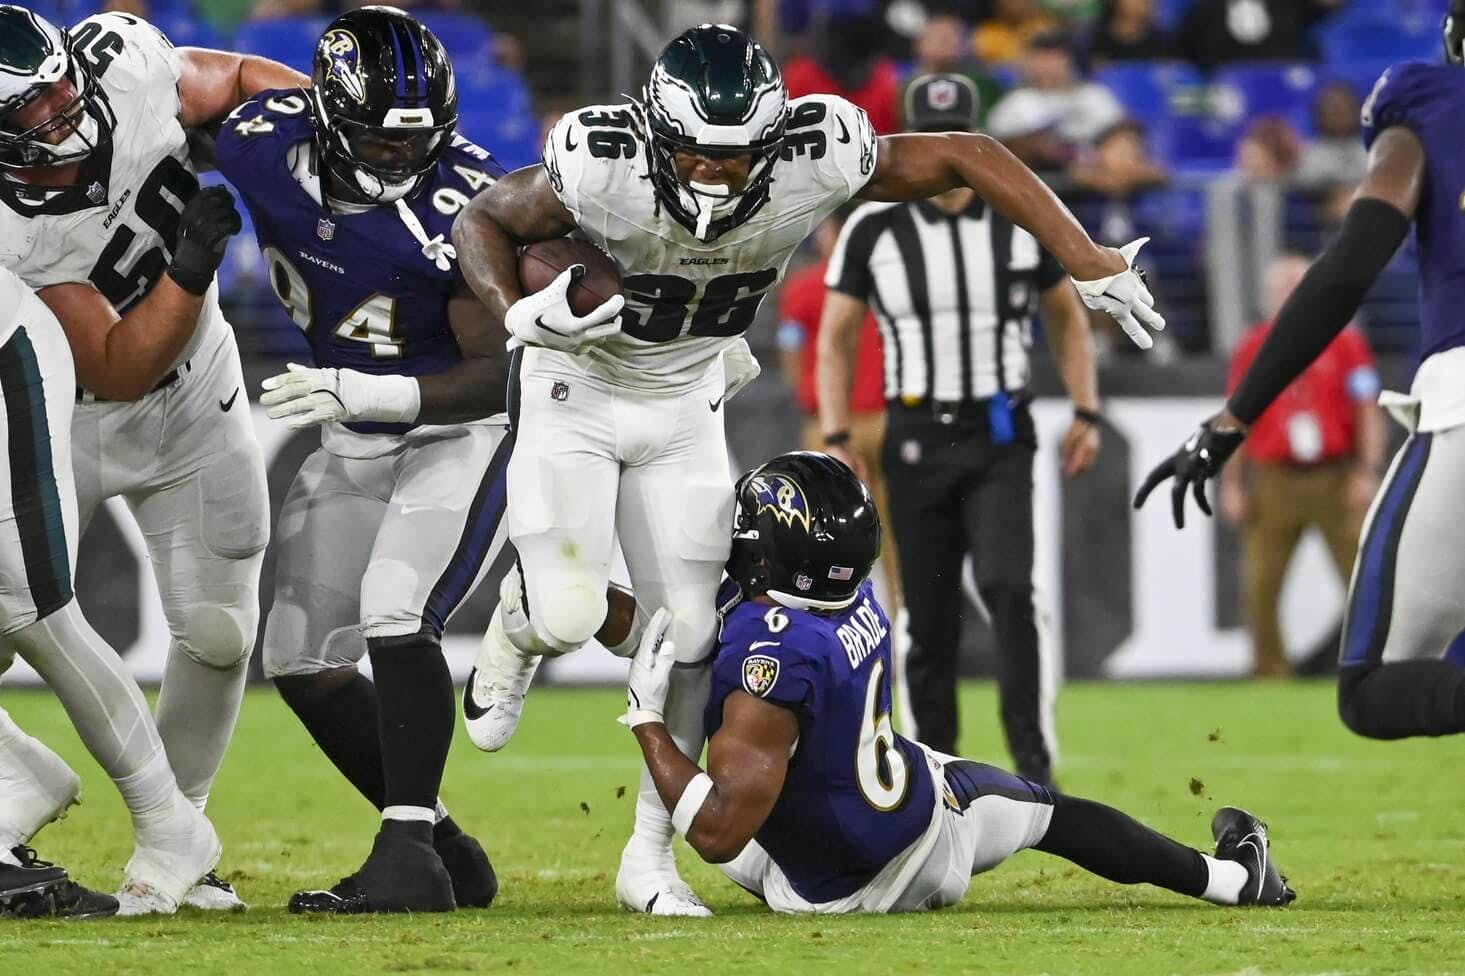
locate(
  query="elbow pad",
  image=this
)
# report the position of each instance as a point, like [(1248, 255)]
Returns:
[(1325, 301)]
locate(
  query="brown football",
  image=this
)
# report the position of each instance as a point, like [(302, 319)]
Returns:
[(540, 264)]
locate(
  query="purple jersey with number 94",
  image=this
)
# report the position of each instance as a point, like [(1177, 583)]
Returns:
[(366, 291), (856, 794)]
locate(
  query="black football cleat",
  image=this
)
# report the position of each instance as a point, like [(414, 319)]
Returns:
[(401, 874), (40, 889), (1242, 838), (474, 883)]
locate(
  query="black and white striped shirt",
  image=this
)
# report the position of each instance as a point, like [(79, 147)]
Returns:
[(954, 295)]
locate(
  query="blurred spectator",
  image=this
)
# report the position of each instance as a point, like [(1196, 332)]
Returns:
[(942, 48), (845, 62), (1004, 37), (1120, 164), (1220, 31), (1313, 459), (1129, 30), (1055, 114), (1336, 155), (800, 305), (1269, 151)]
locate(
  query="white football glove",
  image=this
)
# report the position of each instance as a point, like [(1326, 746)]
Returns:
[(739, 368), (546, 319), (304, 397), (650, 673), (1125, 298)]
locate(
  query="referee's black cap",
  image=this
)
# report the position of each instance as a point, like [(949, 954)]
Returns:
[(941, 103)]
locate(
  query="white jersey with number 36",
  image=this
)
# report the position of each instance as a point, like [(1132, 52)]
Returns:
[(687, 299), (119, 236)]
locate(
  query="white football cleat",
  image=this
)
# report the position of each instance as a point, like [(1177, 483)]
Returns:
[(36, 788), (214, 894), (493, 699), (648, 886), (168, 862)]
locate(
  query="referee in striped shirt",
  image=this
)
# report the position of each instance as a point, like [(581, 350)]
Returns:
[(954, 287)]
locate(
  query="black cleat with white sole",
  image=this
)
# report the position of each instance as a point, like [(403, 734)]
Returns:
[(403, 873), (1242, 838), (39, 889), (475, 885)]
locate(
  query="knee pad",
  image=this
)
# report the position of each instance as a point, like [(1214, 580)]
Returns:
[(564, 612), (218, 637), (694, 629)]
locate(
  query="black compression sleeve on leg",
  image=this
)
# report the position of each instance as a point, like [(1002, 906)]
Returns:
[(1402, 699), (339, 711), (1115, 846), (414, 692), (1325, 300)]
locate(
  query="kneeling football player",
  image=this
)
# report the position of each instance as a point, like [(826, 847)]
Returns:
[(810, 799)]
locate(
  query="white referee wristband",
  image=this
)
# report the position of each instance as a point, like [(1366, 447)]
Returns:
[(691, 803)]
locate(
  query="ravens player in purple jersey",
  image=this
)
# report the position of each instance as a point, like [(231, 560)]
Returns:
[(352, 185), (1395, 678), (810, 799)]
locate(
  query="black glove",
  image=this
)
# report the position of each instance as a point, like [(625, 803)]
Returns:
[(204, 229), (1199, 460)]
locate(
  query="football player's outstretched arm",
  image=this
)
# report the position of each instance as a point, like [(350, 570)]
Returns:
[(123, 357), (747, 761), (214, 83), (913, 166), (519, 209), (1319, 308)]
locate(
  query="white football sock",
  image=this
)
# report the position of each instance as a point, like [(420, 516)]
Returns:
[(104, 704), (425, 815), (1227, 879), (198, 707)]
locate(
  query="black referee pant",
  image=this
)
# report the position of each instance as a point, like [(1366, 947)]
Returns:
[(953, 492)]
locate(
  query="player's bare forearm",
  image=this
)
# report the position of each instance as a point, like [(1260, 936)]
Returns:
[(519, 209), (1067, 324), (914, 166), (477, 387), (123, 358), (834, 371), (214, 83)]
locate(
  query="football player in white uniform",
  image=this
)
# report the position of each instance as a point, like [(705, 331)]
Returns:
[(101, 214), (701, 192)]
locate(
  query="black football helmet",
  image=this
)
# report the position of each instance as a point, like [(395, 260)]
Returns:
[(806, 534), (383, 100), (714, 91), (36, 55)]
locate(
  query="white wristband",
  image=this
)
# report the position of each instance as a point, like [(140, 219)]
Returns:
[(391, 399), (691, 803)]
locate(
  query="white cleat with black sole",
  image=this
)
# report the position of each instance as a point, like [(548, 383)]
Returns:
[(169, 862), (214, 894), (493, 699), (648, 887)]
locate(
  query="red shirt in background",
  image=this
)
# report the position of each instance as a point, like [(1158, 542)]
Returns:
[(1315, 419), (799, 308), (880, 96)]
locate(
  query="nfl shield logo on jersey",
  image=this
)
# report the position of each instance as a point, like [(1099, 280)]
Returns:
[(96, 193), (325, 229), (559, 391), (759, 674)]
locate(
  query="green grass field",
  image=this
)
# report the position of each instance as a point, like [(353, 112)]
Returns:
[(1372, 835)]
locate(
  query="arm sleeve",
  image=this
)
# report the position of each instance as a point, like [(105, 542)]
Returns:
[(1240, 362), (1324, 302)]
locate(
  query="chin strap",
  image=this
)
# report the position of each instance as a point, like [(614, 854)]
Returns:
[(436, 249)]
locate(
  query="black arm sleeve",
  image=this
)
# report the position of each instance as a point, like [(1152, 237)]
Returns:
[(1325, 300)]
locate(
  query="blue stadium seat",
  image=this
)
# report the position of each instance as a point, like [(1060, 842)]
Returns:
[(1172, 12), (1147, 89), (1377, 38), (1245, 91), (468, 40), (186, 29), (290, 40), (495, 111)]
